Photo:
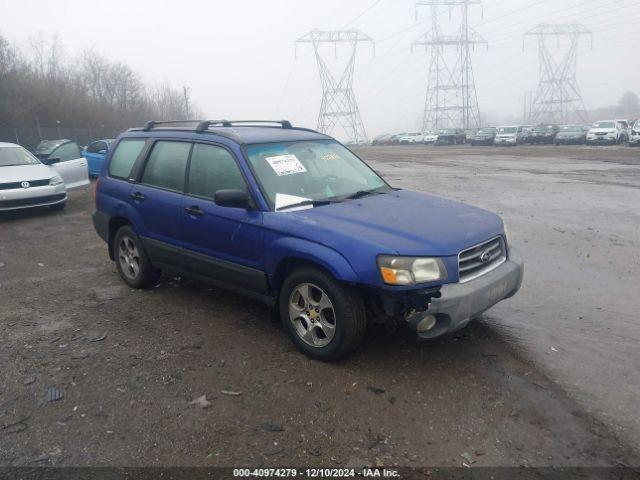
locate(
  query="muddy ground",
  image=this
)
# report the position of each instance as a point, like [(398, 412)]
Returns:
[(548, 378)]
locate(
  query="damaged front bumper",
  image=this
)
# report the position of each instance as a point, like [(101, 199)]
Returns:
[(460, 302)]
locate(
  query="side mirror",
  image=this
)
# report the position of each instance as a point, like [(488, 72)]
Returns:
[(233, 199), (51, 161)]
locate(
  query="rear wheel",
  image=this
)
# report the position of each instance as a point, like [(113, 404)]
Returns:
[(132, 262), (324, 318)]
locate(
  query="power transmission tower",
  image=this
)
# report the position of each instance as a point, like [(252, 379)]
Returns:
[(339, 106), (452, 99), (558, 98)]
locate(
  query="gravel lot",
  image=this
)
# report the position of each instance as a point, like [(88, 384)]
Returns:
[(549, 377)]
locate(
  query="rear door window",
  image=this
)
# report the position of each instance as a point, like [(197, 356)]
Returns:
[(124, 157), (167, 165)]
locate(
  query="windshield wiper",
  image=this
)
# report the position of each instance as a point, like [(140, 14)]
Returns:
[(304, 203), (364, 193)]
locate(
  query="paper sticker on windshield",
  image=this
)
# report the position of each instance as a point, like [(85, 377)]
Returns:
[(285, 165)]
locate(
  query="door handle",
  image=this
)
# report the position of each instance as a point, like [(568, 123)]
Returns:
[(194, 210), (137, 196)]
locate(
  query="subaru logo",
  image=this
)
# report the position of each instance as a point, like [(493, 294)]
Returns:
[(25, 184), (485, 257)]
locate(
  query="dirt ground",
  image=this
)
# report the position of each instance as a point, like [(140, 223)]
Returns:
[(539, 381)]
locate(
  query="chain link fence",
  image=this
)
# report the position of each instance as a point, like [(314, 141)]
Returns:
[(30, 137)]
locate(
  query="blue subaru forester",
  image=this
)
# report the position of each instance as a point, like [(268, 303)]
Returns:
[(291, 217)]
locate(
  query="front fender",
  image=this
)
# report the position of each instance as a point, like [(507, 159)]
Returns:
[(295, 248)]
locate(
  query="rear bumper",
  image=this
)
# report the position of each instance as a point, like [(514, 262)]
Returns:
[(461, 302), (17, 199), (101, 224)]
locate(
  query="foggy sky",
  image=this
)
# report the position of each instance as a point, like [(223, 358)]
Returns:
[(237, 57)]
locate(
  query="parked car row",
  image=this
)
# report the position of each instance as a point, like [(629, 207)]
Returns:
[(614, 132), (444, 136)]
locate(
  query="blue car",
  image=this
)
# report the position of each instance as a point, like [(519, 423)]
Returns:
[(290, 217), (96, 154)]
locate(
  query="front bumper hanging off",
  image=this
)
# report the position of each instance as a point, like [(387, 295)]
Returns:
[(461, 302)]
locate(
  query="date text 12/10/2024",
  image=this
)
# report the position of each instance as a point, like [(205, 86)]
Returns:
[(316, 472)]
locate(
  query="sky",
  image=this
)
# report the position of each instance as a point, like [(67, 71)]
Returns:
[(238, 58)]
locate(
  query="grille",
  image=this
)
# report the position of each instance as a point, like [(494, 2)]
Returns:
[(32, 183), (481, 259), (26, 202)]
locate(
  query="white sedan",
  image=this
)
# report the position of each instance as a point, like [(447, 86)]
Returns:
[(26, 182)]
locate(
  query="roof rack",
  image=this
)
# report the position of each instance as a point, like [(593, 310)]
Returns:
[(205, 124), (152, 123)]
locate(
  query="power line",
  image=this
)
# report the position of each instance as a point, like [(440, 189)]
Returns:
[(363, 13)]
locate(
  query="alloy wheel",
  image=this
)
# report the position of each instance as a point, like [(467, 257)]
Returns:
[(312, 315), (129, 257)]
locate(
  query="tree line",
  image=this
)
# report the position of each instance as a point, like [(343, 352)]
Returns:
[(41, 85)]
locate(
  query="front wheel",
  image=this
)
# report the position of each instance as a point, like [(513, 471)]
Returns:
[(132, 262), (324, 318)]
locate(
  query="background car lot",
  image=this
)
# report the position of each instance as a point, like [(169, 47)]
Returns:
[(526, 386)]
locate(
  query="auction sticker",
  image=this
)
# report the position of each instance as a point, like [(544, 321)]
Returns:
[(285, 165)]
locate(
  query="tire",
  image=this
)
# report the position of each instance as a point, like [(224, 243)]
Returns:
[(311, 287), (132, 261), (58, 207)]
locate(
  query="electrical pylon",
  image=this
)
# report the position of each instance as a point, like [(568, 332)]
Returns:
[(339, 106), (452, 99), (558, 98)]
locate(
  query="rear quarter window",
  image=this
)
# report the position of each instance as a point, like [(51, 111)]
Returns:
[(124, 156)]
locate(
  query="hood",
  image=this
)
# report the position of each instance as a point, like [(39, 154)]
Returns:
[(20, 173), (603, 130), (506, 135), (401, 222)]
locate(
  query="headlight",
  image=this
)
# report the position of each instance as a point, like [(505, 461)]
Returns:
[(57, 180), (410, 270)]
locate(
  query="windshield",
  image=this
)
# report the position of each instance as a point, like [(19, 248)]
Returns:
[(446, 131), (572, 128), (543, 128), (485, 131), (507, 130), (12, 156), (45, 147), (604, 125), (318, 170)]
